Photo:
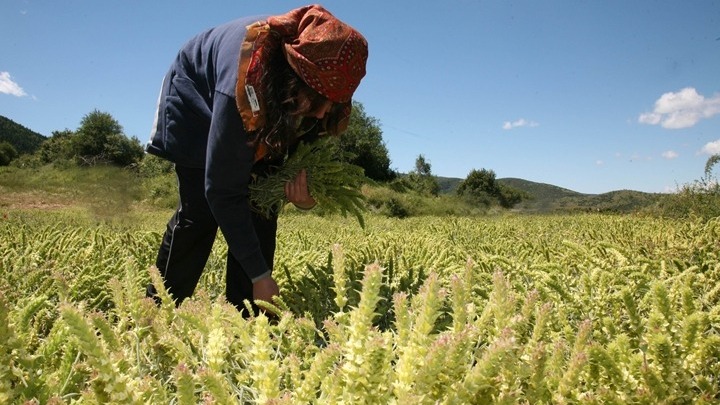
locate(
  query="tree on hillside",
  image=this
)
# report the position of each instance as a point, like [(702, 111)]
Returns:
[(100, 139), (481, 187), (421, 179), (509, 197), (56, 148), (7, 153), (364, 144), (422, 166)]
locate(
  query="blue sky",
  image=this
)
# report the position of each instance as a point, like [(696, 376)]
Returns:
[(592, 96)]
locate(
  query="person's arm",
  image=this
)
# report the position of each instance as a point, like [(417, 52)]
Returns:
[(227, 175)]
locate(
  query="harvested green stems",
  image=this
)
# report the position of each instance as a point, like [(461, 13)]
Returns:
[(332, 182)]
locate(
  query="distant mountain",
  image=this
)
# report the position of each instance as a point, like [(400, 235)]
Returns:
[(547, 198), (22, 139), (448, 184), (544, 196)]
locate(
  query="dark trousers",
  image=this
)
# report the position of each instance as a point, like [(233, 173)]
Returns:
[(189, 238)]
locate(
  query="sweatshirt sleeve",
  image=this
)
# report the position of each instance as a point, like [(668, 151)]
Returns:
[(227, 175)]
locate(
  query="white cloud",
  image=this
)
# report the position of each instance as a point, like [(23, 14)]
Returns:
[(8, 86), (670, 154), (599, 163), (522, 122), (682, 109), (711, 148)]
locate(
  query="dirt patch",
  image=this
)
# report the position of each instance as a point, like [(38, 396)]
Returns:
[(33, 200)]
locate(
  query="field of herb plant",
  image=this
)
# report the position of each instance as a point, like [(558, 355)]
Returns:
[(512, 309)]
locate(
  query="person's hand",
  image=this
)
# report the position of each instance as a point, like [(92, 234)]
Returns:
[(265, 289), (297, 192)]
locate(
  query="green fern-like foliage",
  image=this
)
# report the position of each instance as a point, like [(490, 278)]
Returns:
[(332, 182)]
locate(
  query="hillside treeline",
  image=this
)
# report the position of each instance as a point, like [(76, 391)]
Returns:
[(101, 141)]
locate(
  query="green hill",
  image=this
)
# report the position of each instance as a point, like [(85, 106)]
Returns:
[(448, 184), (544, 197), (22, 139), (550, 198)]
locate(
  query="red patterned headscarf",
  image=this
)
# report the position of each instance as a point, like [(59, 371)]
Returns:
[(326, 53)]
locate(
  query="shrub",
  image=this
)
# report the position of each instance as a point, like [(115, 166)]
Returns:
[(700, 199), (7, 153), (151, 166)]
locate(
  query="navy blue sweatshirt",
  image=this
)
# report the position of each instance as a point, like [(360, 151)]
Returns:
[(198, 126)]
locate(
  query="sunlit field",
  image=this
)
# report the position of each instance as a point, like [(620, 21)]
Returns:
[(509, 309)]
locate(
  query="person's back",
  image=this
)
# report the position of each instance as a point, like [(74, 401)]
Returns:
[(232, 102), (206, 64)]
